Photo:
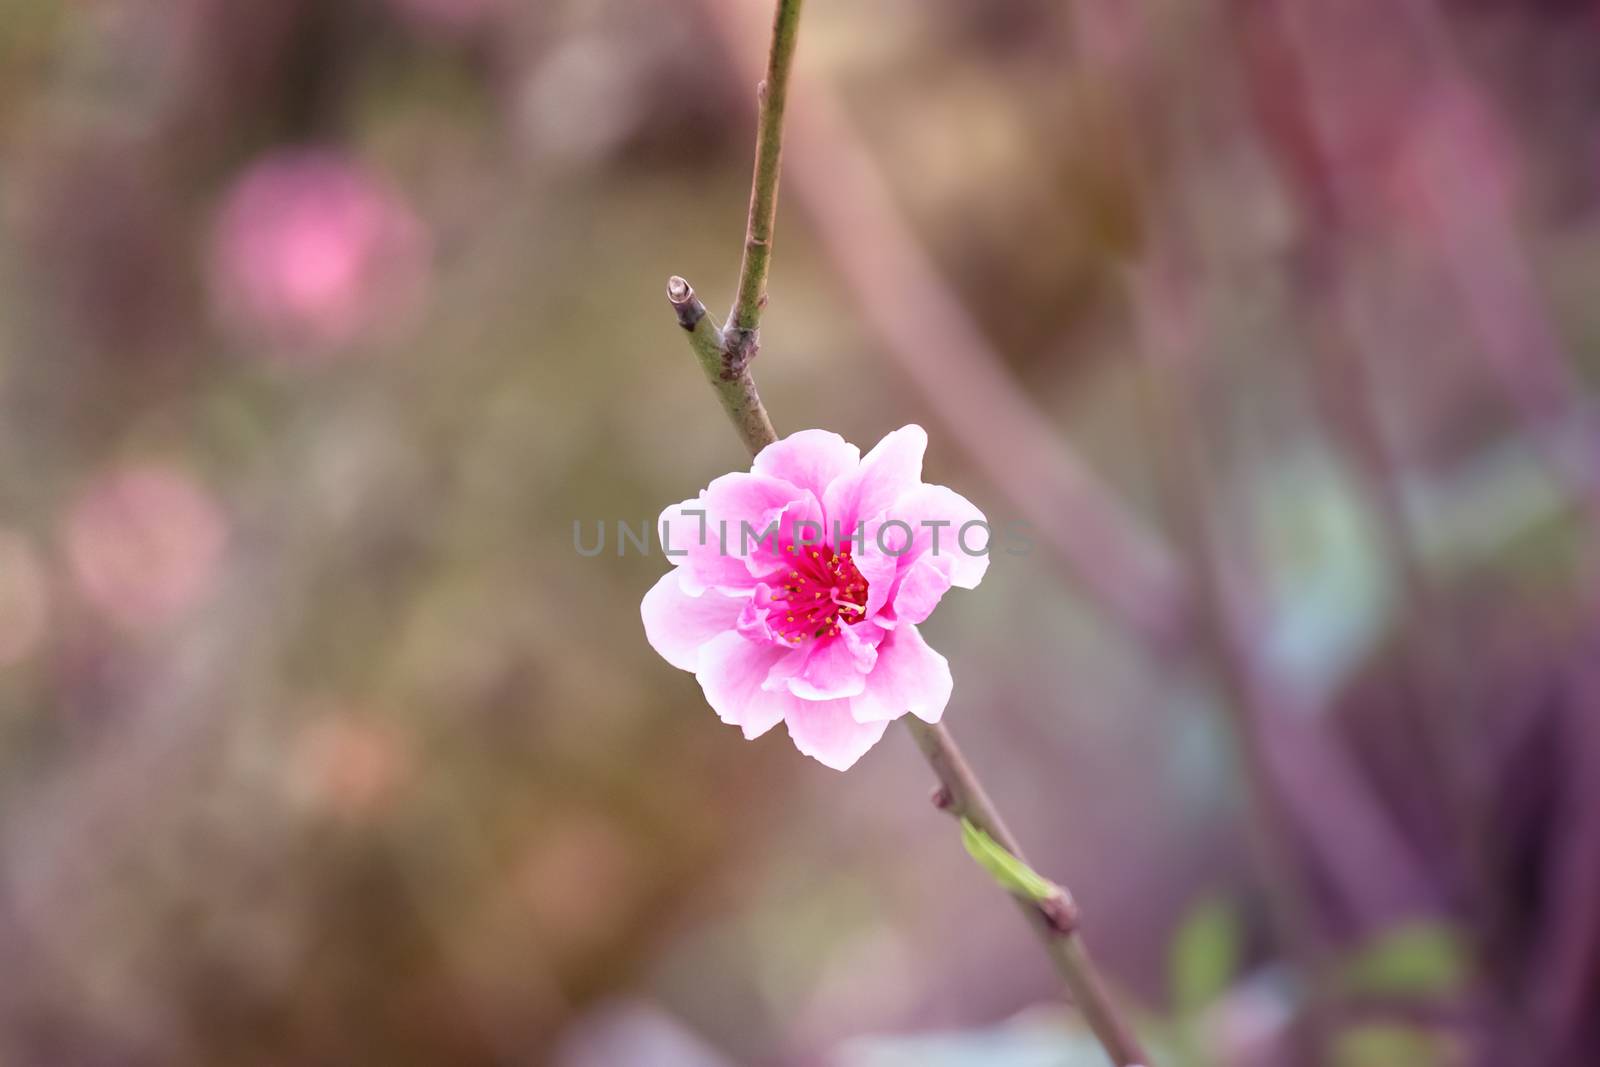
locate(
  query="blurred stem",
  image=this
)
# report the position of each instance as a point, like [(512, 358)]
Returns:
[(726, 365), (1115, 45), (1229, 630), (742, 338)]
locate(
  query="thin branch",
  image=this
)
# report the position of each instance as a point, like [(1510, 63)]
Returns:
[(727, 368), (963, 796), (960, 792), (923, 329), (730, 378), (742, 338)]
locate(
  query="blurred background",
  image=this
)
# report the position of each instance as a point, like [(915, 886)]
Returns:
[(322, 323)]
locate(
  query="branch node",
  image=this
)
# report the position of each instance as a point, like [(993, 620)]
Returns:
[(941, 798), (1061, 912), (689, 308), (739, 346)]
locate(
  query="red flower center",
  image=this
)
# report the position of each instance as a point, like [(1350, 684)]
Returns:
[(822, 590)]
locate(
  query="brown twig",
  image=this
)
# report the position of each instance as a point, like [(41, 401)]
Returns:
[(1057, 921)]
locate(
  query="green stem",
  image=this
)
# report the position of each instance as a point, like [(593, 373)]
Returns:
[(731, 379), (742, 338)]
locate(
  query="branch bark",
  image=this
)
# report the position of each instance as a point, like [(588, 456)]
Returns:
[(742, 337), (962, 794), (728, 376)]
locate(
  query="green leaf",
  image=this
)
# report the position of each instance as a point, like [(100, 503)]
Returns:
[(1390, 1045), (1204, 957), (1417, 959), (1013, 875)]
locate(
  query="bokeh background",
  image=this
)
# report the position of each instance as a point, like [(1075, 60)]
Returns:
[(322, 323)]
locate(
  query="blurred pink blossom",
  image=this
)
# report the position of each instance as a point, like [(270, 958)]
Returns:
[(348, 766), (23, 599), (797, 590), (312, 253), (145, 543)]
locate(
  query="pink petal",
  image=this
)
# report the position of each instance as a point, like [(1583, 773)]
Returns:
[(705, 536), (914, 552), (833, 669), (924, 505), (746, 497), (880, 570), (919, 591), (909, 676), (752, 621), (677, 624), (797, 524), (826, 731), (893, 467), (701, 564), (731, 671), (809, 459)]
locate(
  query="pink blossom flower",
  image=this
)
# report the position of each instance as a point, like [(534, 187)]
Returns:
[(347, 763), (313, 252), (145, 543), (797, 589)]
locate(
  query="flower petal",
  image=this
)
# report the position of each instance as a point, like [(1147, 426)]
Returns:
[(689, 540), (731, 671), (677, 624), (835, 668), (809, 459), (880, 569), (752, 621), (706, 536), (747, 496), (827, 732), (909, 676), (771, 545), (914, 551), (892, 468), (919, 591), (938, 516)]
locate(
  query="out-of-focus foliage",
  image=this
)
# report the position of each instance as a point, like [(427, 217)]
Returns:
[(1392, 1045), (1420, 959), (1205, 956)]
